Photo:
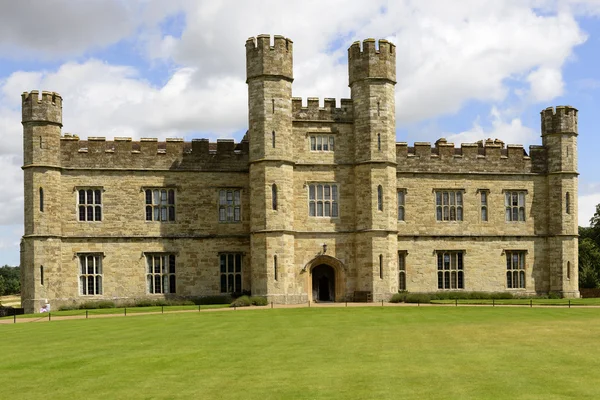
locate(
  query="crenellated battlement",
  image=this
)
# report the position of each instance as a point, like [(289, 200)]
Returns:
[(47, 108), (264, 59), (371, 62), (562, 119), (149, 153), (482, 157), (329, 112)]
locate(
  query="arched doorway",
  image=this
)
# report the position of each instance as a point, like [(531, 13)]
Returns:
[(323, 283)]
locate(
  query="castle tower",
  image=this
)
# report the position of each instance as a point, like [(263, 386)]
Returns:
[(559, 137), (372, 77), (269, 78), (42, 123)]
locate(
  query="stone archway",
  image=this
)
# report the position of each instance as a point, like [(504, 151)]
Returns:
[(326, 279), (323, 283)]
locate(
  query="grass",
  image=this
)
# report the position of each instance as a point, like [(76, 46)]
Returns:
[(11, 300), (534, 301), (119, 311), (333, 353)]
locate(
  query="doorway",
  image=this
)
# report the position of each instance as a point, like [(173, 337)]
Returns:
[(323, 283)]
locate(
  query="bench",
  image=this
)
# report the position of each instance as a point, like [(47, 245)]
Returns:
[(363, 297)]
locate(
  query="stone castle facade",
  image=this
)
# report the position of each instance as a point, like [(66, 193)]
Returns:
[(316, 203)]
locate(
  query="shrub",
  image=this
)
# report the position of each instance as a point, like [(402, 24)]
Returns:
[(68, 307), (399, 297), (219, 299), (143, 303), (259, 301), (106, 304), (243, 301), (92, 305), (417, 298), (554, 295)]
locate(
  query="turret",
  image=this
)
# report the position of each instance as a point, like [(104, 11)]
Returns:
[(42, 122), (372, 77), (269, 72), (559, 138)]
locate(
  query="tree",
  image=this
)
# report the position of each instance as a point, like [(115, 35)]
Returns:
[(589, 264), (10, 282), (589, 253)]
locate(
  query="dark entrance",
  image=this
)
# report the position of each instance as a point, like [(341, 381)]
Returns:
[(323, 283)]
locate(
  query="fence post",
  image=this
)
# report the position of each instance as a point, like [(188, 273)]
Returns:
[(15, 318), (86, 314), (49, 316), (162, 309), (569, 303), (530, 303), (125, 311), (381, 303), (456, 302), (418, 303), (493, 303), (198, 307), (271, 305)]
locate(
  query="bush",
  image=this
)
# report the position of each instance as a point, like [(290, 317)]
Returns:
[(92, 305), (399, 297), (554, 295), (219, 299), (68, 307), (144, 303), (406, 297), (259, 301), (243, 301), (106, 304), (417, 298)]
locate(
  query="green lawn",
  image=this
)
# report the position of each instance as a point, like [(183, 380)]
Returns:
[(309, 353)]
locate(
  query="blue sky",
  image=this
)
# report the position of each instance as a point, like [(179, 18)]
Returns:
[(467, 70)]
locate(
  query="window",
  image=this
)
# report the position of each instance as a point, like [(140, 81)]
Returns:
[(160, 277), (275, 272), (450, 270), (90, 204), (569, 270), (567, 203), (323, 200), (379, 141), (380, 198), (515, 269), (274, 196), (231, 272), (401, 270), (380, 266), (401, 200), (90, 278), (230, 205), (449, 205), (484, 204), (41, 200), (273, 138), (322, 142), (160, 205), (514, 202), (42, 275)]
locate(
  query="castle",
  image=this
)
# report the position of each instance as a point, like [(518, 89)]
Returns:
[(314, 204)]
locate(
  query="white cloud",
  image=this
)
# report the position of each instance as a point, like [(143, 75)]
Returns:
[(505, 127), (546, 84), (587, 207)]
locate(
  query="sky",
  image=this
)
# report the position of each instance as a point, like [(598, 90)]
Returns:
[(467, 70)]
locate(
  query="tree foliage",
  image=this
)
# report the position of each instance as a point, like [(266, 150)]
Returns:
[(589, 253), (10, 282)]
